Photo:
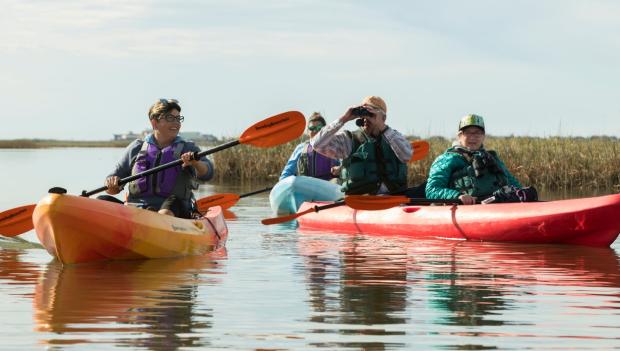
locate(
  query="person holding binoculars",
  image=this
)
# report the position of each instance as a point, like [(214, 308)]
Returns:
[(374, 157)]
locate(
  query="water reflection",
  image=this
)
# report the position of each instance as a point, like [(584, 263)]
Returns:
[(17, 274), (381, 287), (150, 304), (355, 281)]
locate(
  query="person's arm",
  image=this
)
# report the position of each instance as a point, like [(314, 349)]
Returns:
[(290, 169), (399, 144), (439, 178), (330, 143), (203, 167), (122, 168), (210, 170)]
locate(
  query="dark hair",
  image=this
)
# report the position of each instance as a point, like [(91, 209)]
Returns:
[(163, 106), (316, 116)]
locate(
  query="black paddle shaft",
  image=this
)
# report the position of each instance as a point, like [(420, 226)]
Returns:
[(197, 156), (254, 192)]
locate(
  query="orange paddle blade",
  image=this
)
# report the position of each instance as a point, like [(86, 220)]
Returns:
[(16, 220), (420, 149), (283, 219), (373, 203), (228, 214), (275, 130), (224, 200)]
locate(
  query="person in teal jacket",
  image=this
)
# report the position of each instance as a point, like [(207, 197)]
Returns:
[(470, 173)]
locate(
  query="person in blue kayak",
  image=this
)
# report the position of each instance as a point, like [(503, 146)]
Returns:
[(470, 173), (374, 157), (169, 191), (306, 161)]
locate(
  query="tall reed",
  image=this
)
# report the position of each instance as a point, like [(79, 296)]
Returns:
[(556, 163)]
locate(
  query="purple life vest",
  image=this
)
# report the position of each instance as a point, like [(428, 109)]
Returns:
[(313, 164), (161, 183)]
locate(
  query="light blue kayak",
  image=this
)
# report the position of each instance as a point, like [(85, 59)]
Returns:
[(289, 193)]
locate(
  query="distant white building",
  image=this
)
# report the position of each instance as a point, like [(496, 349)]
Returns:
[(126, 136), (190, 135), (194, 136)]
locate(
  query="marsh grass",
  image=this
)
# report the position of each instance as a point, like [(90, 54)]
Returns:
[(48, 143), (555, 163)]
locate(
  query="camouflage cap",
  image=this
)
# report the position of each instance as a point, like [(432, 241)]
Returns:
[(471, 120)]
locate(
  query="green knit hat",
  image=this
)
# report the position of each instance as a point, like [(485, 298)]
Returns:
[(471, 120)]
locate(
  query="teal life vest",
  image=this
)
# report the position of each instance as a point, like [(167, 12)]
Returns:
[(480, 176), (371, 163)]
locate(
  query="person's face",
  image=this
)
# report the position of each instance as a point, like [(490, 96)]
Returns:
[(314, 127), (168, 124), (373, 125), (471, 137)]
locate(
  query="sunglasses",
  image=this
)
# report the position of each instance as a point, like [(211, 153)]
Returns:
[(165, 102), (170, 118), (315, 128)]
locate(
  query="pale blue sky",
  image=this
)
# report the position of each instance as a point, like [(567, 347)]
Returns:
[(87, 69)]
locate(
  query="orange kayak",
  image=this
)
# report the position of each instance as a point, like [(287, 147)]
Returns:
[(78, 229)]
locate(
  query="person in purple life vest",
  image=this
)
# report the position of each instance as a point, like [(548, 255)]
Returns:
[(307, 162), (169, 191)]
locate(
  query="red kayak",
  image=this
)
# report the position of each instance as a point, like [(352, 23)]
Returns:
[(591, 221)]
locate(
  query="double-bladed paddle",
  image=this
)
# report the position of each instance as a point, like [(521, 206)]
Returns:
[(383, 202), (363, 202), (224, 200), (272, 131), (16, 220), (420, 151)]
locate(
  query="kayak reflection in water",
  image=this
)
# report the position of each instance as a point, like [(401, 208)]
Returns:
[(158, 305), (470, 173), (169, 191)]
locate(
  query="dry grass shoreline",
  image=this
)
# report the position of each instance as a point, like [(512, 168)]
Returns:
[(50, 143), (558, 163)]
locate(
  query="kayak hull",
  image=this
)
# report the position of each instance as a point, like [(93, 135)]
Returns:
[(289, 193), (587, 221), (77, 229)]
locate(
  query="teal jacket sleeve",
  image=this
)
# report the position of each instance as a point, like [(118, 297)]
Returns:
[(291, 165), (439, 177)]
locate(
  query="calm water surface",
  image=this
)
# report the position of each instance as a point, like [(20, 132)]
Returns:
[(276, 287)]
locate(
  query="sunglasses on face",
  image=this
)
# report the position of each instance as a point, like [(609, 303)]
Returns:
[(171, 118), (315, 128), (165, 102)]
